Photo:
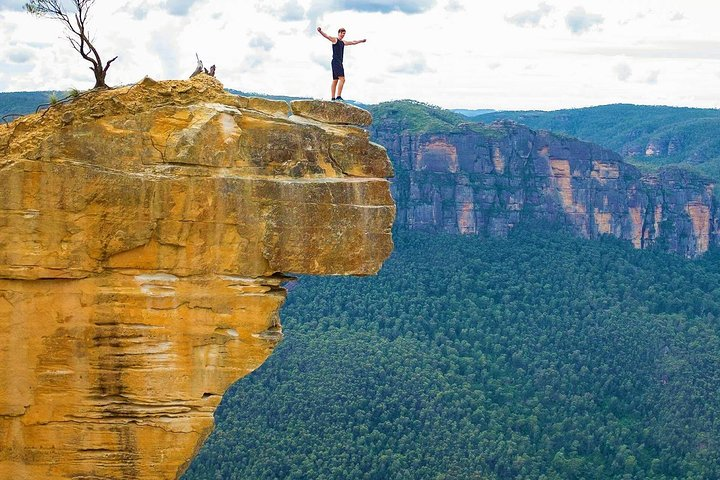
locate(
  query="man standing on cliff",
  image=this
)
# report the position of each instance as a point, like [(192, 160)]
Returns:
[(338, 72)]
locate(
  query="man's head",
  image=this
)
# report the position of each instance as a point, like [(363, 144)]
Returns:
[(341, 33)]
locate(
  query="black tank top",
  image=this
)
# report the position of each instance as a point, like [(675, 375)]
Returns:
[(338, 48)]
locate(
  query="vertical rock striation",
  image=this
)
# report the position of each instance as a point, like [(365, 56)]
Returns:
[(144, 233), (488, 179)]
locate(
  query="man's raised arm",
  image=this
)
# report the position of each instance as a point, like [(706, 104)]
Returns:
[(355, 42), (332, 39)]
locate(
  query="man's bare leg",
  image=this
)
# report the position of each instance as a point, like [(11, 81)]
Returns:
[(340, 83), (332, 89)]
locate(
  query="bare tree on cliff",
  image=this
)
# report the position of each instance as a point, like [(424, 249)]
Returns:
[(75, 21)]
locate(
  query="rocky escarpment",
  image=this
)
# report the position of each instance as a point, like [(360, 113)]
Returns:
[(144, 232), (490, 179)]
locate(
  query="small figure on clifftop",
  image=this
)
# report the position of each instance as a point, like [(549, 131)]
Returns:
[(338, 72)]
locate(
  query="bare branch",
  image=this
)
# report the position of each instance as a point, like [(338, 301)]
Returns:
[(107, 65), (78, 36)]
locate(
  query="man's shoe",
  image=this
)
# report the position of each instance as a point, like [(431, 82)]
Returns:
[(333, 99), (339, 99)]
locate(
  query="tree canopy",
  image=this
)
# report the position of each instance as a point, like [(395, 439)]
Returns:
[(541, 356)]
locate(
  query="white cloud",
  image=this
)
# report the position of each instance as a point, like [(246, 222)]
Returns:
[(321, 60), (319, 8), (179, 8), (413, 63), (677, 16), (454, 6), (580, 21), (530, 18), (261, 42), (253, 61), (9, 73), (386, 6), (260, 45), (679, 49), (12, 5), (140, 12), (652, 78), (290, 11), (622, 71), (638, 16), (20, 55), (164, 44)]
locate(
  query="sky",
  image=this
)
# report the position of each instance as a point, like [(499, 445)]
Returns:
[(473, 54)]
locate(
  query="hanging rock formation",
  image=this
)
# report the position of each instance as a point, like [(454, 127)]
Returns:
[(486, 180), (144, 232)]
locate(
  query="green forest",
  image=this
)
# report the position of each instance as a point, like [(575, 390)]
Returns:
[(539, 356), (22, 103)]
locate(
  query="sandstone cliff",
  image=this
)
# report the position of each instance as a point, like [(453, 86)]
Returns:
[(488, 179), (143, 236)]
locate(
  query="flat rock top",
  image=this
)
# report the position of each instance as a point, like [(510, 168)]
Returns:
[(196, 122), (100, 106), (132, 178), (338, 113)]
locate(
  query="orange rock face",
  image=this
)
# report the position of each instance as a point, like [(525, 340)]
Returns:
[(700, 217), (498, 160), (437, 155), (143, 236), (487, 181), (604, 171)]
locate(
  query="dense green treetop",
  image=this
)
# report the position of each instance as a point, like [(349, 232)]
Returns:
[(21, 103), (415, 117), (540, 356)]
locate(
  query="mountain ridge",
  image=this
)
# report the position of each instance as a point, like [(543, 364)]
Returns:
[(470, 178), (650, 136)]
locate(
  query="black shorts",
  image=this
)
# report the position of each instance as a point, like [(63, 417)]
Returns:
[(337, 69)]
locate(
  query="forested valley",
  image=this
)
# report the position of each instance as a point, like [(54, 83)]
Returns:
[(539, 356)]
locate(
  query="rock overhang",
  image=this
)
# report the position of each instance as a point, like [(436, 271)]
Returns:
[(144, 232)]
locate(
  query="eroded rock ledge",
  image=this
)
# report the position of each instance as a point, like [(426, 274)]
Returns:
[(488, 180), (144, 233)]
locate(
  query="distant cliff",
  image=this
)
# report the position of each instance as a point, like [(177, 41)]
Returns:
[(144, 232), (654, 135), (480, 179)]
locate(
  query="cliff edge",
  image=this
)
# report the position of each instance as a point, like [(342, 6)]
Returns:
[(144, 236), (488, 179)]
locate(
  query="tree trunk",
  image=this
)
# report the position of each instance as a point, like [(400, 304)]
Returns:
[(99, 77)]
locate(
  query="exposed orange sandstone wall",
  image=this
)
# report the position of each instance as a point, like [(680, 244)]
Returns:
[(144, 233), (488, 181), (700, 216)]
